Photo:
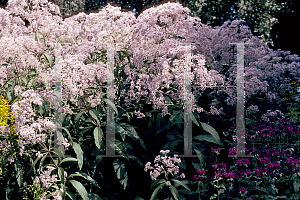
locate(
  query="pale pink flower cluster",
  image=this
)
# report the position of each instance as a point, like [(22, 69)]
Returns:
[(67, 110), (272, 114), (153, 41), (46, 179), (5, 145), (11, 159), (63, 141), (165, 164), (39, 154), (264, 67), (30, 127), (5, 130), (253, 108)]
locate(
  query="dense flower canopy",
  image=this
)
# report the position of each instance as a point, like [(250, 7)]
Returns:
[(156, 44)]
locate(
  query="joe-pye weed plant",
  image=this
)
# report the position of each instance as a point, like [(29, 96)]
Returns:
[(165, 66)]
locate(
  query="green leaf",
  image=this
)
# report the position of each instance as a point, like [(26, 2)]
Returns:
[(121, 147), (212, 131), (196, 166), (131, 132), (19, 172), (155, 192), (61, 176), (199, 154), (11, 185), (31, 83), (98, 134), (79, 154), (167, 98), (85, 176), (42, 161), (138, 198), (69, 159), (49, 59), (93, 196), (121, 172), (174, 192), (121, 131), (194, 119), (58, 152), (112, 105), (71, 195), (80, 189), (157, 182), (24, 79), (35, 37), (159, 121), (94, 114), (206, 138), (181, 183), (136, 160), (296, 185), (77, 120)]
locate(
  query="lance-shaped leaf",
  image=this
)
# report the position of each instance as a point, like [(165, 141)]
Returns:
[(121, 172)]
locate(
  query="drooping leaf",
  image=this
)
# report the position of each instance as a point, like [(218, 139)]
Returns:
[(296, 185), (121, 131), (48, 58), (155, 192), (61, 176), (157, 182), (196, 165), (58, 152), (205, 138), (94, 114), (212, 131), (98, 134), (85, 176), (79, 154), (93, 196), (69, 159), (183, 183), (136, 160), (199, 154), (121, 172), (71, 195), (19, 172), (10, 188), (80, 189), (174, 192)]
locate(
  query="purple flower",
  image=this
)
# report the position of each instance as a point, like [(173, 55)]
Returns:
[(215, 166), (243, 190), (200, 171), (229, 174), (217, 175), (224, 165)]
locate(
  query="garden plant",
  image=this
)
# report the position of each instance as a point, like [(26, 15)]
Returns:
[(150, 61)]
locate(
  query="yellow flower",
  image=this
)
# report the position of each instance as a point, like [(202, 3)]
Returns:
[(6, 117)]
